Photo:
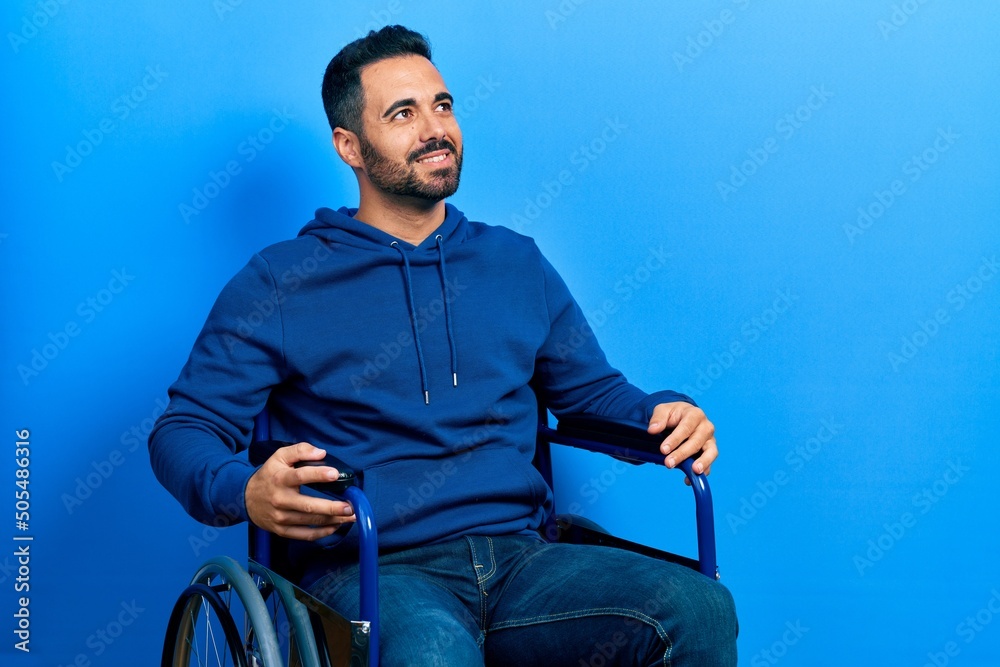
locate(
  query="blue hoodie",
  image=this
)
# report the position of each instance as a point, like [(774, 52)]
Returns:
[(418, 365)]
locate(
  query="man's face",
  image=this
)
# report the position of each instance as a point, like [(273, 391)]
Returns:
[(411, 144)]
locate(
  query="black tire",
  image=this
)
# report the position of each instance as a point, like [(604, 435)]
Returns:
[(225, 617), (182, 643)]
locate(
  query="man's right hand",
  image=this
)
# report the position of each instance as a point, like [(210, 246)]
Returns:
[(275, 504)]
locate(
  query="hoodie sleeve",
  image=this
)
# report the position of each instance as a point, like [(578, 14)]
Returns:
[(194, 446), (572, 373)]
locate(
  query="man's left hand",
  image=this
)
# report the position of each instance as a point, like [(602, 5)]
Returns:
[(693, 434)]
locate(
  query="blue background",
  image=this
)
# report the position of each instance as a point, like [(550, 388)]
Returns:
[(802, 330)]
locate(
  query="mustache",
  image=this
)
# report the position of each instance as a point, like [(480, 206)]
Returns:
[(437, 145)]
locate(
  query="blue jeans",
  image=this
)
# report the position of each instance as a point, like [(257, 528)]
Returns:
[(516, 600)]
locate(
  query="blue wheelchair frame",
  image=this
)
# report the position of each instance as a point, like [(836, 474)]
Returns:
[(623, 440)]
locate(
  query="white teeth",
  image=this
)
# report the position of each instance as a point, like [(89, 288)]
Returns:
[(437, 158)]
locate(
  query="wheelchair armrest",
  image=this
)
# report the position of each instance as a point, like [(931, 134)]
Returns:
[(630, 442), (262, 450), (620, 438)]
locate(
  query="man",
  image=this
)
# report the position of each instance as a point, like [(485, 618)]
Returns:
[(414, 344)]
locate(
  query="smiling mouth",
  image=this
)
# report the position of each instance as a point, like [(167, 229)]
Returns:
[(436, 158)]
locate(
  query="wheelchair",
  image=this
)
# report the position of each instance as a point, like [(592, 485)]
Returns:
[(257, 617)]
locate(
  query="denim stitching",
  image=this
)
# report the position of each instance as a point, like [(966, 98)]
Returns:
[(475, 560), (493, 563), (603, 611), (482, 600)]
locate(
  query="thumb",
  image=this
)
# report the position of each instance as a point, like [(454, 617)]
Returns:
[(660, 419)]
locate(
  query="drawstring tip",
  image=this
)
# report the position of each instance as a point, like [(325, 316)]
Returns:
[(454, 379), (427, 398)]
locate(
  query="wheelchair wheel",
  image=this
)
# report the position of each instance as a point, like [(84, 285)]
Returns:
[(222, 619)]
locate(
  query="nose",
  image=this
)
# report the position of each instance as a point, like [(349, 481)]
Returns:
[(432, 128)]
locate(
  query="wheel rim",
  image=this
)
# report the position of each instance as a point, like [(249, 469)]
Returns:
[(208, 617), (203, 629)]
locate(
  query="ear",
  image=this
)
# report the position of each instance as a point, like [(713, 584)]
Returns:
[(346, 144)]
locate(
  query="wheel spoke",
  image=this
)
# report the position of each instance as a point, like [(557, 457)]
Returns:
[(191, 640), (222, 592)]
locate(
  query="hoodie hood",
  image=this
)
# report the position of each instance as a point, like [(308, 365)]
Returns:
[(340, 226)]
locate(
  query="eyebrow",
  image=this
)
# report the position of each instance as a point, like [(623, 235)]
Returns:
[(409, 101)]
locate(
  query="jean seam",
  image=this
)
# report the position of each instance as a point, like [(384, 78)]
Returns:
[(493, 562), (584, 613), (479, 584)]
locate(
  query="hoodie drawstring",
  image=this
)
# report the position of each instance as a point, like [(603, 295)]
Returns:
[(413, 318), (447, 313), (413, 321)]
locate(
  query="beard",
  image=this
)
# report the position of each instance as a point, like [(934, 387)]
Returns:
[(398, 178)]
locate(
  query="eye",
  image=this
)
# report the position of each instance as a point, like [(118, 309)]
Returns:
[(403, 114), (444, 106)]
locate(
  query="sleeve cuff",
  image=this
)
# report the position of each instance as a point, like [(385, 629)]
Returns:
[(647, 404), (229, 492)]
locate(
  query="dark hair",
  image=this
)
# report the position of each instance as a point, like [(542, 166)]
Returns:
[(343, 96)]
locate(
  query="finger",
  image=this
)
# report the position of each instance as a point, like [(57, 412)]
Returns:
[(682, 453), (301, 451), (289, 518), (689, 422), (694, 444), (661, 417), (681, 433), (311, 474), (294, 501), (710, 452), (698, 469), (304, 532), (667, 415)]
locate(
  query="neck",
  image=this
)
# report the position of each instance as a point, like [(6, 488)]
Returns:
[(408, 218)]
